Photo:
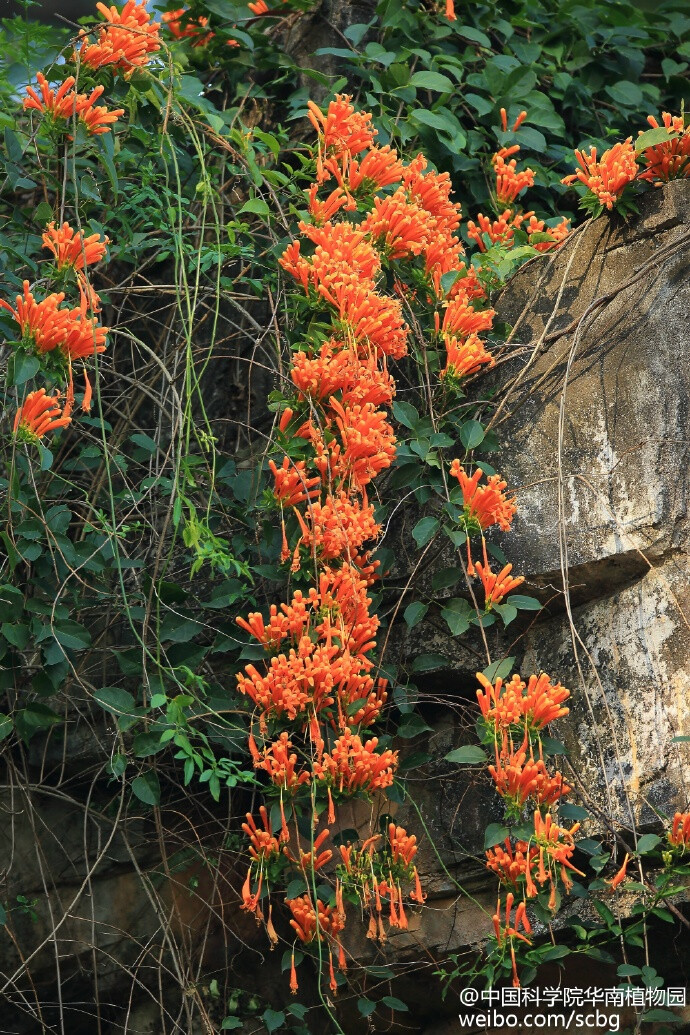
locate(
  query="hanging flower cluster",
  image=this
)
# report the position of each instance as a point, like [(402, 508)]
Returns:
[(369, 212), (58, 332), (510, 183), (609, 178), (679, 834), (125, 41), (522, 778)]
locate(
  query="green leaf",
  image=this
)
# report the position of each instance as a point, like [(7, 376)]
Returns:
[(46, 457), (393, 1003), (33, 718), (147, 788), (424, 530), (658, 1014), (523, 603), (471, 434), (628, 970), (468, 32), (552, 746), (429, 662), (446, 577), (115, 700), (366, 1007), (17, 635), (273, 1019), (507, 612), (468, 755), (625, 93), (457, 614), (296, 887), (71, 634), (495, 833), (499, 669), (144, 441), (432, 81), (647, 843), (256, 206), (572, 812), (604, 912), (22, 366), (554, 952), (406, 414), (231, 1024), (6, 726), (414, 613)]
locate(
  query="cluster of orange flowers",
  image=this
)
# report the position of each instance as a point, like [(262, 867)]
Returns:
[(65, 105), (49, 328), (56, 332), (318, 673), (125, 41), (509, 184), (525, 781), (485, 506), (679, 834), (607, 178)]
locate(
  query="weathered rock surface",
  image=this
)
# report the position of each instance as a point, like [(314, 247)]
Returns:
[(594, 433)]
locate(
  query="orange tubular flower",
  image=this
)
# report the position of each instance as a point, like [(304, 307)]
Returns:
[(510, 182), (322, 211), (309, 923), (450, 11), (259, 7), (543, 701), (496, 587), (679, 834), (670, 159), (337, 527), (374, 321), (499, 231), (379, 168), (292, 486), (512, 864), (46, 326), (555, 843), (461, 319), (608, 177), (485, 505), (38, 414), (465, 357), (263, 843), (315, 859), (125, 42), (72, 250), (510, 705), (368, 442), (518, 778), (506, 933), (343, 133), (193, 29), (403, 845), (399, 227), (65, 104), (353, 766), (620, 876), (281, 766)]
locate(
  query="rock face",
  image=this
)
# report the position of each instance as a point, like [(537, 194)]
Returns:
[(597, 430), (592, 415)]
